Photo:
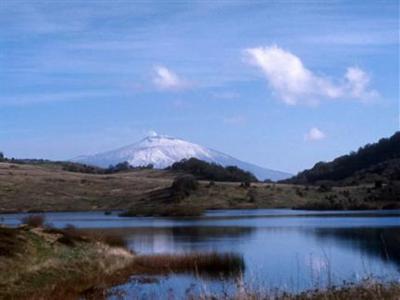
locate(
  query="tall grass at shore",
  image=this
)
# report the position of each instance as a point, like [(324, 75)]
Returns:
[(366, 290)]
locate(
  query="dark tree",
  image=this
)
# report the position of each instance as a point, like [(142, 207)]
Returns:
[(184, 185)]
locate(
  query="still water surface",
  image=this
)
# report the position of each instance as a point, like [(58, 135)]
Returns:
[(293, 250)]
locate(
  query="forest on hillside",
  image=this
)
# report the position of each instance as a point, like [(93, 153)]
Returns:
[(373, 162)]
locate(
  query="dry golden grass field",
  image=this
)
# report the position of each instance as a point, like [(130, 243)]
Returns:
[(47, 187)]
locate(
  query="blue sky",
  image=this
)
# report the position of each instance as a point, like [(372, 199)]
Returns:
[(282, 84)]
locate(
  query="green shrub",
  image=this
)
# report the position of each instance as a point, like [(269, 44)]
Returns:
[(184, 185), (245, 184), (211, 183)]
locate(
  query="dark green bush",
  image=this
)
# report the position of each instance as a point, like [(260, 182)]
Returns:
[(184, 185), (211, 171), (245, 184)]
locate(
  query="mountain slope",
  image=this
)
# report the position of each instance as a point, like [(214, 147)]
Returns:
[(163, 151), (378, 161)]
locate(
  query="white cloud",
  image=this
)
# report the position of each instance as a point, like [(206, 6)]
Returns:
[(293, 83), (314, 134), (165, 79), (357, 84)]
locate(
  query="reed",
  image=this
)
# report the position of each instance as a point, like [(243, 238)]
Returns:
[(366, 290)]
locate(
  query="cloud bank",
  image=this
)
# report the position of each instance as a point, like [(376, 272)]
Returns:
[(294, 84)]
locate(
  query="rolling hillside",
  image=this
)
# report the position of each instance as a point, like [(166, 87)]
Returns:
[(379, 161)]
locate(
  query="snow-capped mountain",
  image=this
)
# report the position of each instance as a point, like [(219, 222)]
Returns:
[(162, 151)]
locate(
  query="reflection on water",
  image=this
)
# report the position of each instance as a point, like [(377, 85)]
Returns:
[(381, 242), (289, 249), (188, 239)]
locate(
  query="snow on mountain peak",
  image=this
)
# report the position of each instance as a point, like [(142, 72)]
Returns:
[(162, 151)]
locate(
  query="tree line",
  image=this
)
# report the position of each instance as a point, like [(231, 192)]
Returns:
[(377, 158), (211, 171), (76, 167)]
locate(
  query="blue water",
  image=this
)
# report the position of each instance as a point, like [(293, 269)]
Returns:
[(289, 249)]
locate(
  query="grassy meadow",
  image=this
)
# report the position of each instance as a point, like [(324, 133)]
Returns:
[(25, 187)]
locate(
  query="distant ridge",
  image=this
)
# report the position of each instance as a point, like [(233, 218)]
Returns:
[(377, 161), (162, 151)]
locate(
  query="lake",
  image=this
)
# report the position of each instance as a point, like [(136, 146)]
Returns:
[(290, 249)]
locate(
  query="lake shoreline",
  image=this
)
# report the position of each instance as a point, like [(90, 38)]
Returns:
[(121, 212), (217, 227), (115, 266), (49, 263), (55, 264)]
